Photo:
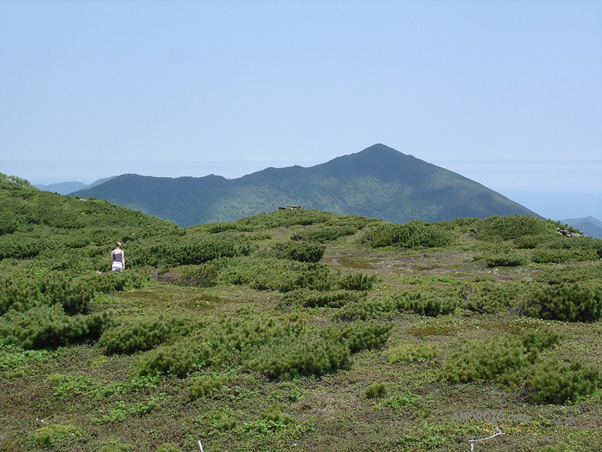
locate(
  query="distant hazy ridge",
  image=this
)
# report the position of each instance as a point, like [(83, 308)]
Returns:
[(378, 182)]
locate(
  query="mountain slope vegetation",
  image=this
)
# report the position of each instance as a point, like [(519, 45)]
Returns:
[(378, 182), (294, 330)]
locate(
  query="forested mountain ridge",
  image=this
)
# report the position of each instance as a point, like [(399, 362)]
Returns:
[(378, 182)]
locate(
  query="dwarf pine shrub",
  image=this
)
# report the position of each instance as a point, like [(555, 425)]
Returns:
[(506, 258), (136, 335), (357, 281), (275, 413), (202, 275), (569, 302), (176, 359), (493, 358), (425, 304), (299, 251), (308, 354), (48, 327), (204, 386), (413, 234), (317, 299), (491, 297), (364, 310), (324, 234), (281, 275), (362, 335), (407, 353), (552, 381), (498, 228), (375, 390)]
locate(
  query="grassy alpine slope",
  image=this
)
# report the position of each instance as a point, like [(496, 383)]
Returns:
[(294, 330)]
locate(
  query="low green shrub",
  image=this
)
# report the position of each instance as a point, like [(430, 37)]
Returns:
[(204, 386), (324, 234), (425, 304), (202, 275), (174, 359), (407, 353), (364, 310), (413, 234), (308, 354), (503, 259), (136, 335), (49, 327), (275, 413), (277, 274), (552, 381), (357, 281), (319, 299), (299, 251), (55, 435), (561, 256), (375, 390), (362, 335), (571, 302), (491, 297), (499, 228), (189, 249), (491, 359)]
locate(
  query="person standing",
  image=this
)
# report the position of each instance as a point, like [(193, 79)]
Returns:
[(117, 258)]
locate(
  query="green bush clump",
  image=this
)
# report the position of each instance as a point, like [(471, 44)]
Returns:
[(48, 327), (136, 335), (55, 435), (571, 302), (375, 390), (494, 358), (318, 299), (23, 247), (202, 275), (21, 292), (275, 413), (325, 234), (363, 310), (284, 218), (189, 249), (506, 258), (357, 281), (413, 234), (560, 249), (282, 275), (299, 251), (552, 381), (176, 359), (556, 382), (491, 297), (362, 335), (204, 386), (227, 343), (499, 228), (425, 304), (560, 256), (407, 353), (307, 354)]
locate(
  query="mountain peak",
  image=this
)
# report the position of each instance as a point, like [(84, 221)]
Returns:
[(378, 182)]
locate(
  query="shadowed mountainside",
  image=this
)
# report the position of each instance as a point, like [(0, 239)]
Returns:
[(378, 182)]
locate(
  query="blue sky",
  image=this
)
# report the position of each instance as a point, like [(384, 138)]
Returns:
[(507, 93)]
